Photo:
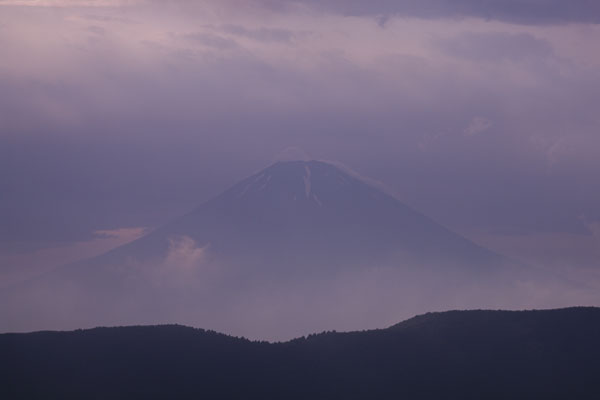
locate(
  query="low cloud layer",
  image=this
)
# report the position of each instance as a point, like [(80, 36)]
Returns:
[(186, 288)]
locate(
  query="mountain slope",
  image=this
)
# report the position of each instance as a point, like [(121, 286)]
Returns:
[(296, 237), (310, 215), (549, 354)]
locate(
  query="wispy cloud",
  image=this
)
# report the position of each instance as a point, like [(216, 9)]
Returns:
[(24, 260), (520, 11), (70, 3), (478, 125), (127, 234)]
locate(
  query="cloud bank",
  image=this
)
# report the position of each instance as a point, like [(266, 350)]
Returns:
[(482, 115)]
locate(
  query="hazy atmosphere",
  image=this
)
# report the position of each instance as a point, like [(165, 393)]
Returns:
[(447, 135)]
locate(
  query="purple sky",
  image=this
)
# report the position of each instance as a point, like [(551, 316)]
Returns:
[(116, 116)]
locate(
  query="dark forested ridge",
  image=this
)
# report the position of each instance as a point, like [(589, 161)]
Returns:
[(456, 355)]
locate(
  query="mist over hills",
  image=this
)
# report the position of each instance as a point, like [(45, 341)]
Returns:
[(551, 354), (297, 247)]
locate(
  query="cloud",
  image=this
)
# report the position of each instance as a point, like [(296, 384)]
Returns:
[(210, 40), (478, 125), (594, 229), (527, 12), (550, 251), (21, 260), (139, 125), (261, 34), (292, 153), (126, 234), (514, 11), (498, 47), (186, 266), (184, 255), (142, 123), (70, 3)]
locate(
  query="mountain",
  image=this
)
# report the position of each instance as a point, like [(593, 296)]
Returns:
[(550, 354), (294, 237), (299, 217)]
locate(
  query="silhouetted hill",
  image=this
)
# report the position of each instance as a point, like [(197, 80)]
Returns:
[(451, 355)]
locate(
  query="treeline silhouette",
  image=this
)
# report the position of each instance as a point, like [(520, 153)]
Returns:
[(552, 354)]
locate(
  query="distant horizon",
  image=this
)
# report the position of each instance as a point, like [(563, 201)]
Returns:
[(259, 340)]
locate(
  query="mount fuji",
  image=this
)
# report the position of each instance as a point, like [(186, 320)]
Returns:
[(302, 217), (297, 239)]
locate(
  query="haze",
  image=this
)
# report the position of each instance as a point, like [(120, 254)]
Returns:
[(117, 117)]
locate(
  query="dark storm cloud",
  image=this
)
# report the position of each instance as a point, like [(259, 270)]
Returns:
[(515, 11)]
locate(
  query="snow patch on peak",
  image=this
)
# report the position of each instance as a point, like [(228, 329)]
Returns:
[(317, 200), (259, 177), (244, 190), (293, 154), (258, 183), (307, 182), (265, 182)]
